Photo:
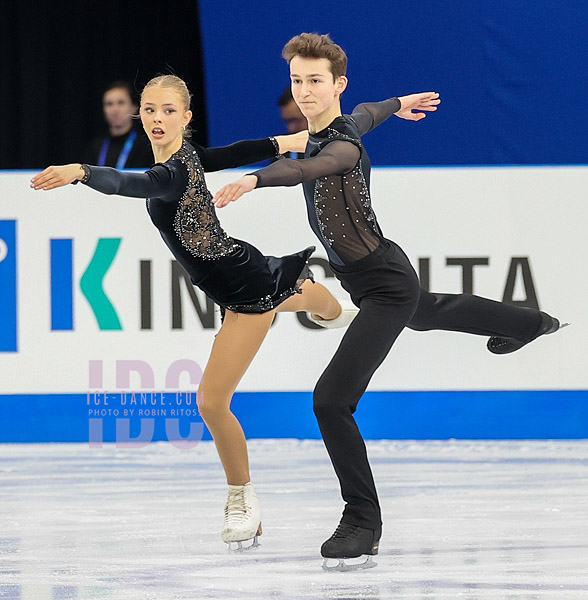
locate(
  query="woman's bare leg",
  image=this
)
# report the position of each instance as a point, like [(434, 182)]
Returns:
[(315, 298), (235, 345)]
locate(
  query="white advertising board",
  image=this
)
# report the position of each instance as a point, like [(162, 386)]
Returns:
[(529, 222)]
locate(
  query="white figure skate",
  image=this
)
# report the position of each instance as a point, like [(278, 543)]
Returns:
[(348, 313), (242, 518)]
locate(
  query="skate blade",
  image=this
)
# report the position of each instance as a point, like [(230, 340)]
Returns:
[(244, 545), (349, 564), (562, 325)]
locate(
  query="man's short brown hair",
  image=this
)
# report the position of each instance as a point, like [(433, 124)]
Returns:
[(313, 45)]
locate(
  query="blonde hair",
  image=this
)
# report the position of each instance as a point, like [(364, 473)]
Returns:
[(313, 45), (176, 84)]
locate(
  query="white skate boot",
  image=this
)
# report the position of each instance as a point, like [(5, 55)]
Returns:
[(348, 313), (242, 518)]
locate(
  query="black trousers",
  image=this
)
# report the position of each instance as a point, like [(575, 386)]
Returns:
[(386, 289)]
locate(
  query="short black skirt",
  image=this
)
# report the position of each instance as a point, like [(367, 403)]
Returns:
[(246, 281)]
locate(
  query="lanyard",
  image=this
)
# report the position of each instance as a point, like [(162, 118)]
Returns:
[(124, 153)]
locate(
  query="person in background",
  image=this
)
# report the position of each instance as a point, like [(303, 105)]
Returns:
[(124, 145), (292, 116), (290, 113)]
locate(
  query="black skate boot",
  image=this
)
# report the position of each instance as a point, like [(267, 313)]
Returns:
[(350, 542), (505, 345)]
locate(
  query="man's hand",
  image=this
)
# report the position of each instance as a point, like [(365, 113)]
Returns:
[(233, 191), (427, 101), (54, 177)]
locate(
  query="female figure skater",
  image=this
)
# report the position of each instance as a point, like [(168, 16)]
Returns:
[(248, 286), (373, 269)]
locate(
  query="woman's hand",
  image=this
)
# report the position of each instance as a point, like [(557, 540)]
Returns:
[(425, 101), (295, 142), (54, 177), (233, 191)]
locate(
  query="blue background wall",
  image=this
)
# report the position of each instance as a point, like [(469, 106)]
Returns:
[(512, 75)]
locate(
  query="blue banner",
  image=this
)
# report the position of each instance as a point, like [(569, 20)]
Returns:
[(140, 418), (8, 287)]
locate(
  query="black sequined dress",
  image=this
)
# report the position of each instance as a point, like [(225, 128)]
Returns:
[(231, 272)]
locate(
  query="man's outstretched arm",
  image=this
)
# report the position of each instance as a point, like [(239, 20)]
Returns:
[(368, 115), (336, 158)]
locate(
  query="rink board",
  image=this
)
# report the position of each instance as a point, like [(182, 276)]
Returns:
[(91, 303), (553, 414)]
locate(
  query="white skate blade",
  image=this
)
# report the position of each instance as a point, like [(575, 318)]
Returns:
[(244, 545), (349, 564)]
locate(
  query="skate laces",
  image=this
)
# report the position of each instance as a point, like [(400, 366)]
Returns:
[(236, 507), (344, 531)]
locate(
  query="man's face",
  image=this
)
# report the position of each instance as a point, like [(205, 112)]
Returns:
[(294, 119), (313, 87), (118, 108)]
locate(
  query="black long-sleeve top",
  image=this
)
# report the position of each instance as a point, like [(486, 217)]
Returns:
[(179, 202), (335, 174)]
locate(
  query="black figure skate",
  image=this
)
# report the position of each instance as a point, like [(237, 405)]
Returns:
[(348, 543), (505, 345)]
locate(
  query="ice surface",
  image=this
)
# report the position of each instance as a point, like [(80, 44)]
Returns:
[(462, 520)]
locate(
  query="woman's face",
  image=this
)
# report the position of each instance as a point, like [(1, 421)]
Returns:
[(163, 115), (118, 108)]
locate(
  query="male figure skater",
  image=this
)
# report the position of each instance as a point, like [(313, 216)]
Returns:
[(373, 269)]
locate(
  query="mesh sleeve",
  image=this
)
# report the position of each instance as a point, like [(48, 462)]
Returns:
[(165, 181), (235, 155), (336, 158), (368, 115)]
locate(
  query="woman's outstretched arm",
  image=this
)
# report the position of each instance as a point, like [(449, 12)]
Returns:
[(166, 181), (247, 152)]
